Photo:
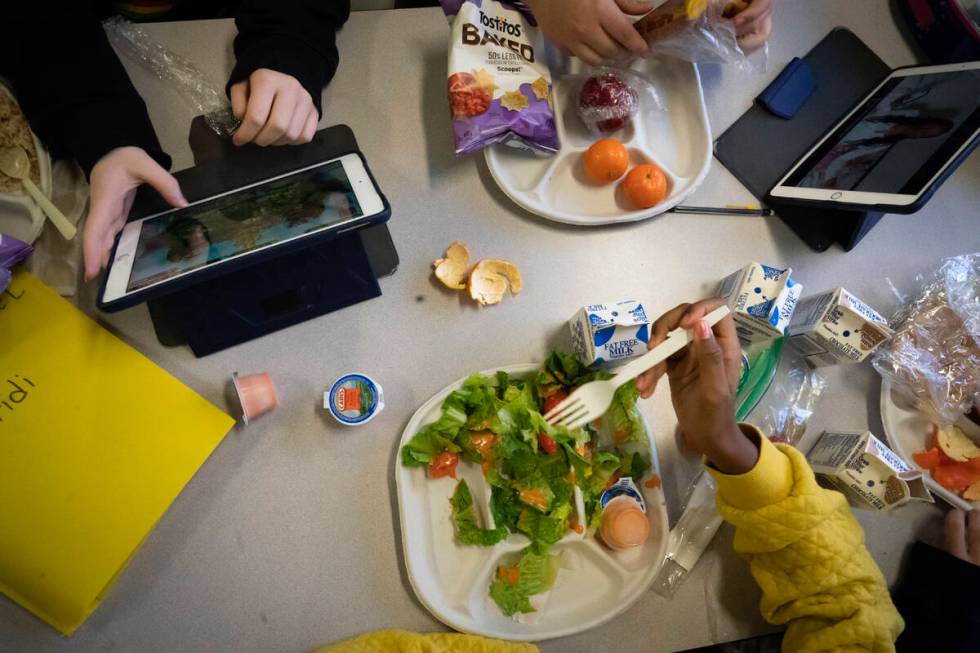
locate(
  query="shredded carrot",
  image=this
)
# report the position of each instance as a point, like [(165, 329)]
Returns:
[(510, 575), (653, 482)]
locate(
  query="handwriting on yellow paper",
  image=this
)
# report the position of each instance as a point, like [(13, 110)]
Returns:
[(18, 390)]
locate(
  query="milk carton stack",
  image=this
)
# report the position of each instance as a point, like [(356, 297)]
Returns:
[(836, 327), (762, 299), (603, 333), (863, 468)]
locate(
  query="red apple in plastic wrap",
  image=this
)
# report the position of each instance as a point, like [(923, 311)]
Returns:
[(607, 103)]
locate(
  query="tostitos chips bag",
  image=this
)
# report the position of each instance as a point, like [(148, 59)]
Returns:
[(499, 83)]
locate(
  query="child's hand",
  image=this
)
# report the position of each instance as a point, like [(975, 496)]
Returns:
[(595, 31), (703, 382), (963, 535), (753, 24), (274, 109), (113, 182)]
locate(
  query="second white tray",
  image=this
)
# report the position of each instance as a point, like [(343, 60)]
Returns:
[(676, 137)]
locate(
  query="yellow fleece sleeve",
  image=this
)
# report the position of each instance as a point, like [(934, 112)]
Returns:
[(401, 641), (806, 551)]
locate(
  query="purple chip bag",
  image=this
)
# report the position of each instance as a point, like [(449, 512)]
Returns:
[(12, 252), (499, 84)]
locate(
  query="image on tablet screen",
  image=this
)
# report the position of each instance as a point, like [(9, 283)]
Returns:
[(225, 227), (901, 140)]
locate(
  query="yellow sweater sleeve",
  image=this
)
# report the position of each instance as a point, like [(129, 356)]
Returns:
[(806, 550), (401, 641)]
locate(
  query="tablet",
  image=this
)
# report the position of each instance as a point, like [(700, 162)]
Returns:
[(897, 146), (157, 253)]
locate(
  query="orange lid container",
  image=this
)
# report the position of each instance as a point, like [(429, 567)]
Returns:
[(624, 523)]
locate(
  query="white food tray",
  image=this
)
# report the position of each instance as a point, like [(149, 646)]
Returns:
[(677, 138), (907, 431), (593, 585)]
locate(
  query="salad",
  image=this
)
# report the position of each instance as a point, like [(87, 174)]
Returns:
[(534, 470)]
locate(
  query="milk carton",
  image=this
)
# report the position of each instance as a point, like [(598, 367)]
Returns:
[(836, 327), (863, 468), (602, 333), (762, 299)]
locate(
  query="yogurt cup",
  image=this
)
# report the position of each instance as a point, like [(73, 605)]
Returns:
[(354, 399)]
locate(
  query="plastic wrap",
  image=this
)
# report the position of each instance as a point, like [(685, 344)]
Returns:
[(193, 85), (609, 99), (789, 403), (933, 359), (699, 32), (690, 536), (12, 252)]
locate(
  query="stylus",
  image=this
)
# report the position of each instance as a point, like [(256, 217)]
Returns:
[(721, 210)]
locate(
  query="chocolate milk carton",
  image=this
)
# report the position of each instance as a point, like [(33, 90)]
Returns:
[(604, 333), (836, 327), (762, 300), (863, 468)]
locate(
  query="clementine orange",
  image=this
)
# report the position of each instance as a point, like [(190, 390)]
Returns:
[(606, 160), (645, 186)]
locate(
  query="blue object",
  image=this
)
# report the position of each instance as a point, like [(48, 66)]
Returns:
[(787, 94)]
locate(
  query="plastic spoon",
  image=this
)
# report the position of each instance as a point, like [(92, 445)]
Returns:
[(15, 163)]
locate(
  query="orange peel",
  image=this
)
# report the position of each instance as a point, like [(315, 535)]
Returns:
[(490, 279), (451, 270)]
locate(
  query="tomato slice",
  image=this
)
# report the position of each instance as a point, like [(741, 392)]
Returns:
[(973, 463), (927, 459), (547, 444), (444, 465), (955, 477), (553, 400)]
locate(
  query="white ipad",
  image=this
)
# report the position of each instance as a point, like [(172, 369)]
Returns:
[(216, 231), (897, 146)]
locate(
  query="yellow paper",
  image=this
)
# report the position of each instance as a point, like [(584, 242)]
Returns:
[(96, 441)]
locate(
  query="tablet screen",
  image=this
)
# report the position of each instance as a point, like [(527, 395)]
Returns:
[(900, 138), (203, 234)]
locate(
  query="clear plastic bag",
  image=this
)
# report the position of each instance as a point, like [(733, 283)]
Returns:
[(789, 403), (187, 79), (707, 37), (609, 98), (689, 537), (934, 357)]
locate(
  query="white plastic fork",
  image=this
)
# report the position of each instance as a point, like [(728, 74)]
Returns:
[(592, 400)]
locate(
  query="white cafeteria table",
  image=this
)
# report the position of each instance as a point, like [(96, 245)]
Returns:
[(288, 537)]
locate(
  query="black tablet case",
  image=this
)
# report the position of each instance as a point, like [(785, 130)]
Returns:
[(280, 291), (759, 148)]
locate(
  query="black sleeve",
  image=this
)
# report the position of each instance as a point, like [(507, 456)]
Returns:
[(296, 37), (71, 85), (939, 598)]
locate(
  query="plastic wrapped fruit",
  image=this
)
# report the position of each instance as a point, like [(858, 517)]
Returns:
[(607, 102)]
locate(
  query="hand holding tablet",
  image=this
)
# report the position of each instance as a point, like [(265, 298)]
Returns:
[(169, 247)]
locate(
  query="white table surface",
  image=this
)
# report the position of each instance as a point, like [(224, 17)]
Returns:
[(288, 537)]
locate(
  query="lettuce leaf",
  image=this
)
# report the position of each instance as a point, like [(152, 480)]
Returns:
[(464, 520), (545, 529), (515, 583), (625, 421)]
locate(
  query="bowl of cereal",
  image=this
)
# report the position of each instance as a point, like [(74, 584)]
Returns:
[(20, 217)]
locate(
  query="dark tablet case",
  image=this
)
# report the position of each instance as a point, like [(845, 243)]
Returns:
[(282, 290), (759, 148)]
